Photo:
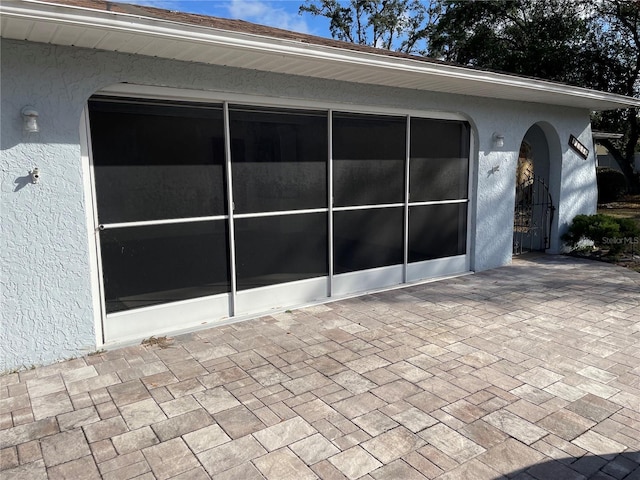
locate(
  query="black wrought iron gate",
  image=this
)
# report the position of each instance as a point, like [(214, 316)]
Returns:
[(533, 216)]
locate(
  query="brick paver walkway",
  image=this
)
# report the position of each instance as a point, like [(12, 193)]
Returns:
[(527, 371)]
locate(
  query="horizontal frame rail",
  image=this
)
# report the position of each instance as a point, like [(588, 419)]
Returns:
[(168, 221)]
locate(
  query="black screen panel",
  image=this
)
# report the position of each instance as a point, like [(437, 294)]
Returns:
[(368, 159), (279, 160), (149, 265), (279, 249), (157, 161), (368, 238), (437, 231)]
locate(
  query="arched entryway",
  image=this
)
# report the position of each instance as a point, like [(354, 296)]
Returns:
[(534, 209)]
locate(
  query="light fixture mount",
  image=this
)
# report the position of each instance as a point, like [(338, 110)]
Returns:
[(498, 140), (30, 118)]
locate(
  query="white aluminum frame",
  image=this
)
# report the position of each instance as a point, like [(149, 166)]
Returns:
[(405, 234), (281, 295), (280, 213), (330, 288), (169, 221), (368, 207), (91, 212), (371, 279), (160, 319), (230, 209), (438, 267), (152, 92), (121, 327)]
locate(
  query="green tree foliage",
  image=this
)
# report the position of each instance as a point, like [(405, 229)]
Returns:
[(617, 69), (588, 43), (593, 44), (400, 25), (606, 232)]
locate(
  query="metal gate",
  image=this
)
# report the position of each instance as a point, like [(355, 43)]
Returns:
[(533, 216)]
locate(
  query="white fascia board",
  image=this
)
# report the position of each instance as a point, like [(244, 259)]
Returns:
[(493, 85)]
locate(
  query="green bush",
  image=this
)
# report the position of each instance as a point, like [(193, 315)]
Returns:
[(611, 184), (606, 232)]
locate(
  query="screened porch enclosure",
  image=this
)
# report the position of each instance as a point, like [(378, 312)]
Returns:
[(209, 211)]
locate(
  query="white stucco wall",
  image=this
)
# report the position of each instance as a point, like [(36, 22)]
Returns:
[(47, 302)]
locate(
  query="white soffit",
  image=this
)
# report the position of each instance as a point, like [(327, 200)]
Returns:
[(88, 28)]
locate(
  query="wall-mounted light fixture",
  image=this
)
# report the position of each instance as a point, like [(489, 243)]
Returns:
[(498, 140), (30, 118)]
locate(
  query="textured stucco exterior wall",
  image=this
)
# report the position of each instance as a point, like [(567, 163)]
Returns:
[(47, 302), (578, 190)]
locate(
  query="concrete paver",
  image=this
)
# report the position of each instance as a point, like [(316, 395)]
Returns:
[(530, 371)]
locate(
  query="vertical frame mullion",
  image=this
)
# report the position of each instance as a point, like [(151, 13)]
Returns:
[(330, 197), (230, 207), (85, 137), (405, 264), (472, 195)]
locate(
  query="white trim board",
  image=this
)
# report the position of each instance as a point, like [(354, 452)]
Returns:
[(60, 24)]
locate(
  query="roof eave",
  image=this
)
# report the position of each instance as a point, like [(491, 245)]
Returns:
[(292, 57)]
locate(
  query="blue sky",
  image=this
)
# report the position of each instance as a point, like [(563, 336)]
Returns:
[(274, 13)]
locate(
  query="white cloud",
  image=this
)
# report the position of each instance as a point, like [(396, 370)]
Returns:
[(165, 4), (273, 13), (269, 13)]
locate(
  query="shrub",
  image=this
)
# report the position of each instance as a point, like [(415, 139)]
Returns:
[(606, 232), (612, 184)]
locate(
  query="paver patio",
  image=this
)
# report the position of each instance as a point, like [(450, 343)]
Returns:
[(530, 371)]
